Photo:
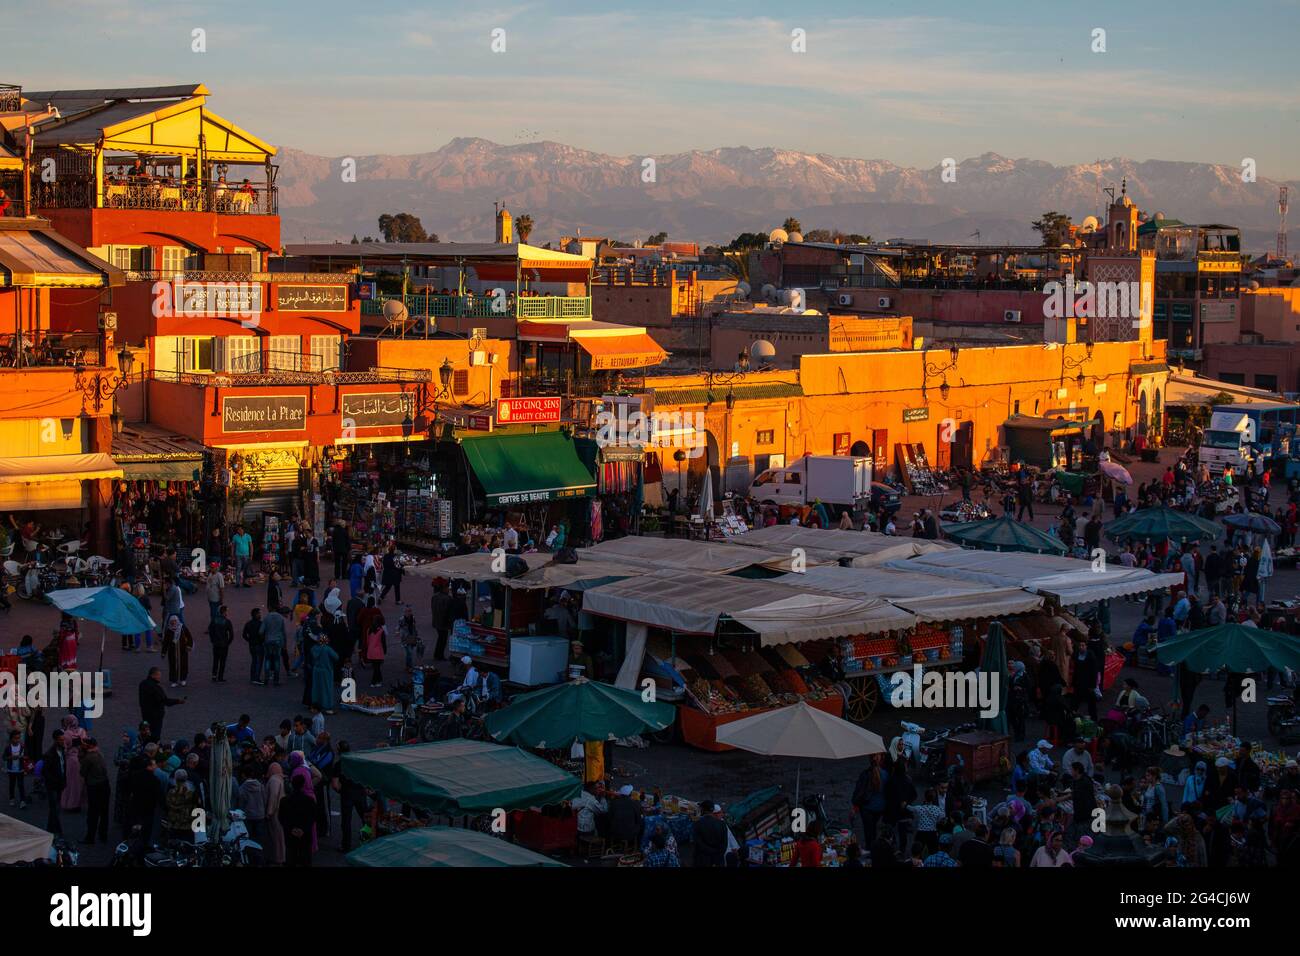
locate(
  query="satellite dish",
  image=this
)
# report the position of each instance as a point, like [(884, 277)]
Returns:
[(1089, 224), (769, 292), (778, 236), (742, 289), (761, 353), (795, 237), (1158, 216), (395, 312), (1253, 285)]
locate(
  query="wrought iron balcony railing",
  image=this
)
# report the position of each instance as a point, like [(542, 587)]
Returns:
[(486, 307)]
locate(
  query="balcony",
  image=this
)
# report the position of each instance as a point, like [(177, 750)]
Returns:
[(11, 98), (164, 195), (571, 385), (484, 306), (290, 368), (47, 350)]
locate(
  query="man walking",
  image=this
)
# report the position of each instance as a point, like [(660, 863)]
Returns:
[(154, 703), (94, 773), (273, 635), (242, 545), (216, 590), (222, 634), (255, 638), (54, 770)]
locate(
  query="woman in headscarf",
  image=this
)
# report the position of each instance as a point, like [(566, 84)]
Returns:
[(68, 637), (127, 750), (308, 637), (274, 846), (180, 803), (324, 663), (335, 619), (75, 791), (1195, 785), (176, 644), (298, 769)]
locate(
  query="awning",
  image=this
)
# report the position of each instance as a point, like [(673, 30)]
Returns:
[(39, 257), (161, 470), (518, 469), (653, 554), (21, 842), (828, 546), (537, 264), (445, 846), (637, 350), (461, 776), (30, 469)]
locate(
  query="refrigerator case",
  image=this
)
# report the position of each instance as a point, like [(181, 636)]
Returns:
[(538, 660)]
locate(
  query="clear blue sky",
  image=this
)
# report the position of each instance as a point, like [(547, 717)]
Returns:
[(907, 82)]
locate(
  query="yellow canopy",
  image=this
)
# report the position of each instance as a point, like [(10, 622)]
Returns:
[(30, 469)]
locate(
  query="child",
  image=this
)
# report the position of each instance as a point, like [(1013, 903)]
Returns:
[(13, 761), (411, 642)]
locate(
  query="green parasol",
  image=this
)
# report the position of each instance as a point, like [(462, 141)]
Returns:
[(1232, 647), (1003, 534), (1162, 524), (555, 717), (994, 661), (445, 846)]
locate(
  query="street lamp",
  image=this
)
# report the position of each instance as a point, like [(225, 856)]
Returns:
[(445, 371)]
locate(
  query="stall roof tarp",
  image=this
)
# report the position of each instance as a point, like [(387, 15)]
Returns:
[(1070, 580), (691, 603), (445, 846), (866, 549), (21, 842), (461, 776), (930, 597), (36, 468), (682, 553), (590, 571), (517, 469), (470, 567)]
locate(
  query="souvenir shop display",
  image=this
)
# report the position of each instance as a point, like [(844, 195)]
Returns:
[(272, 539), (914, 467)]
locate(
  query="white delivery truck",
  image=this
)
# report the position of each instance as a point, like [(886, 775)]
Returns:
[(831, 479), (1228, 441)]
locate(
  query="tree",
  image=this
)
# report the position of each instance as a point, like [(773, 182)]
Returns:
[(657, 239), (524, 226), (355, 240), (404, 228), (1054, 227), (747, 240), (819, 235), (792, 224)]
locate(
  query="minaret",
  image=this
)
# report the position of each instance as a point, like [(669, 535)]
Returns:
[(505, 225)]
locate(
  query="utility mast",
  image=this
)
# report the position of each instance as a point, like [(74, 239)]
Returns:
[(1282, 203)]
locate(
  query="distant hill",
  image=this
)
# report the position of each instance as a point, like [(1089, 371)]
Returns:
[(712, 195)]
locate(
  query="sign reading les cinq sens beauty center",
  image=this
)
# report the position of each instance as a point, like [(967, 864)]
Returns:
[(528, 411), (264, 413)]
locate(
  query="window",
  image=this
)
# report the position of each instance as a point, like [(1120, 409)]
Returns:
[(129, 258), (285, 353), (1233, 378), (765, 437), (197, 354), (177, 259), (1016, 410), (460, 382), (327, 348), (507, 388), (1266, 381), (254, 257), (239, 353)]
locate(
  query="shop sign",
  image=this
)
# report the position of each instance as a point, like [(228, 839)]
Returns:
[(311, 298), (264, 413), (528, 411), (470, 421), (227, 299), (377, 409), (527, 497), (842, 443), (916, 415)]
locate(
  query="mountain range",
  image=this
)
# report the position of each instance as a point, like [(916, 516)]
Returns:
[(711, 195)]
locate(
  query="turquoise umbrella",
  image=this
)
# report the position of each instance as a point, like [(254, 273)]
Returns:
[(994, 661), (445, 846), (1232, 647), (1003, 534), (116, 609)]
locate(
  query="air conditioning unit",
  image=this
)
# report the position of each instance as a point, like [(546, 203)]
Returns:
[(1011, 315), (845, 299), (478, 357), (884, 302)]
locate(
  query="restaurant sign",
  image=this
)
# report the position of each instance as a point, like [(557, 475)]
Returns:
[(378, 409), (528, 411), (311, 298), (264, 413), (916, 414)]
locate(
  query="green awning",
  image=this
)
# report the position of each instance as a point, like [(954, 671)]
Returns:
[(445, 846), (517, 469), (165, 470), (461, 776)]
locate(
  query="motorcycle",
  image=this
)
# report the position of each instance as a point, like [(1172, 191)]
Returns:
[(236, 848), (1283, 720), (933, 756)]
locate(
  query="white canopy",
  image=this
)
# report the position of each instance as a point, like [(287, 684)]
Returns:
[(693, 603), (865, 548), (683, 553), (1069, 580), (21, 842), (930, 597), (800, 731), (471, 567)]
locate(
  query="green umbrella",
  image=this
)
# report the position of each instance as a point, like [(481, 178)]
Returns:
[(994, 661), (1232, 647), (445, 846), (1161, 524), (1003, 534), (555, 717)]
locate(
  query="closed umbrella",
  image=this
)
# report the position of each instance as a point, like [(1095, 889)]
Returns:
[(1003, 534), (580, 710), (994, 662), (1162, 524), (219, 776), (800, 731), (706, 496)]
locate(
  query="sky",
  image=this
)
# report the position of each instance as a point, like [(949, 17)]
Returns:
[(911, 83)]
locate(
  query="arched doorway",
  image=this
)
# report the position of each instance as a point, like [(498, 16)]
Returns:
[(1157, 413), (1142, 414), (860, 449)]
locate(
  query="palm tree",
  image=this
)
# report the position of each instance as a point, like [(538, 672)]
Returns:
[(524, 226)]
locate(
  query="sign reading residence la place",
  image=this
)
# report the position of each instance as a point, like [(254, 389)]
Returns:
[(264, 413)]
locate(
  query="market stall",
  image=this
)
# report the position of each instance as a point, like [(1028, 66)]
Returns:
[(860, 549), (23, 843)]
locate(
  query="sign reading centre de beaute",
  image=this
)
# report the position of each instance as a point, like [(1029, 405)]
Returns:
[(378, 409), (528, 411), (264, 413)]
